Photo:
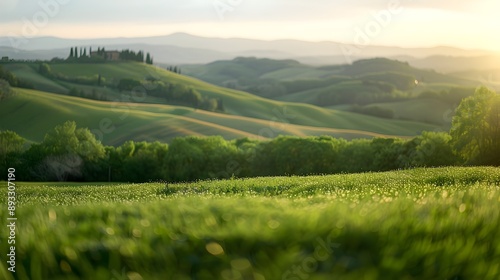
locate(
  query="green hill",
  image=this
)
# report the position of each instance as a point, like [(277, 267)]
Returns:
[(377, 84), (364, 82), (220, 72), (31, 113), (247, 69)]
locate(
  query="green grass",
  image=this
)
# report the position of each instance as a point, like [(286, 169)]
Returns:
[(32, 113), (312, 82), (28, 73), (424, 110), (311, 96), (416, 224)]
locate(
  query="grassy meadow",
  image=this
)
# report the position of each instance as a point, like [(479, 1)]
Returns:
[(245, 114), (438, 223), (151, 122)]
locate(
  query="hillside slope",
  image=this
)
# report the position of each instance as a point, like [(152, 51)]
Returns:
[(362, 83), (31, 113), (250, 115)]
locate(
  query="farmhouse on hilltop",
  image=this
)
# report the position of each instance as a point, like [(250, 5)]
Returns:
[(108, 55)]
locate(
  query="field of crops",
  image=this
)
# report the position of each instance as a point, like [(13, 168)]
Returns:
[(439, 223)]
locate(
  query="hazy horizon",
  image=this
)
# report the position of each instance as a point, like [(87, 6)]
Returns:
[(399, 23)]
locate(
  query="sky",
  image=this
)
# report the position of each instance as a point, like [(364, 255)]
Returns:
[(407, 23)]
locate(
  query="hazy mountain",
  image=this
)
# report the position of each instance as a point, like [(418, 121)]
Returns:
[(181, 48), (450, 64), (29, 54)]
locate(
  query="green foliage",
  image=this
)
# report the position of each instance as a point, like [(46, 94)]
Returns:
[(193, 158), (138, 162), (397, 80), (433, 149), (93, 80), (5, 90), (65, 153), (128, 84), (296, 156), (8, 76), (71, 153), (452, 96), (12, 147), (415, 224), (149, 59), (44, 69), (303, 84), (357, 92), (180, 94), (476, 128), (13, 80), (132, 55), (373, 111)]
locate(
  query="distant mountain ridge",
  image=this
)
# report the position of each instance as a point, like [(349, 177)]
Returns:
[(182, 48)]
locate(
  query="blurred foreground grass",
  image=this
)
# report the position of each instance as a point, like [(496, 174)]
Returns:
[(439, 223)]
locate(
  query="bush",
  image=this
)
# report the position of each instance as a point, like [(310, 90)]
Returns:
[(128, 84), (5, 90), (373, 111)]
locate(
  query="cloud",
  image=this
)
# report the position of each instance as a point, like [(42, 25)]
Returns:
[(148, 11)]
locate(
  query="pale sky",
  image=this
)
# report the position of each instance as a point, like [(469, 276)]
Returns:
[(407, 23)]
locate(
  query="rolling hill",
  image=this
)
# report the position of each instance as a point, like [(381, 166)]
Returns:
[(251, 68), (32, 112), (390, 85)]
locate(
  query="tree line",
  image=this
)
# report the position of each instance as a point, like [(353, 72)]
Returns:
[(71, 153), (81, 55), (12, 80), (175, 94)]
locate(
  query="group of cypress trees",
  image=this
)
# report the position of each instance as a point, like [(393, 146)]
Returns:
[(174, 69), (76, 53)]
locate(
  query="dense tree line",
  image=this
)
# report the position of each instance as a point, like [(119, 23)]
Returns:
[(13, 81), (132, 55), (71, 153), (177, 94), (81, 55)]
